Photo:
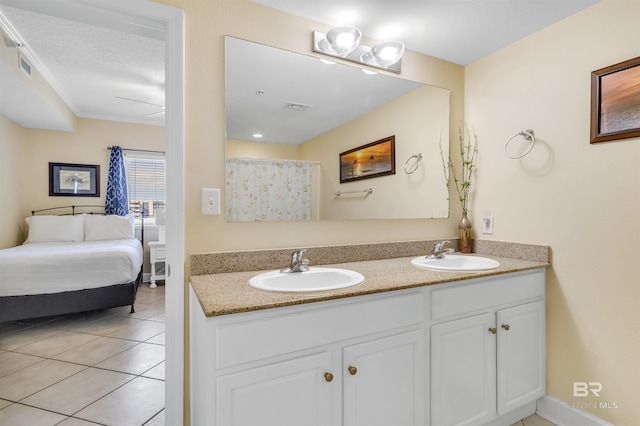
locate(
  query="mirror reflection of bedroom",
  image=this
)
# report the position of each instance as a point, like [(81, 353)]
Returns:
[(82, 294)]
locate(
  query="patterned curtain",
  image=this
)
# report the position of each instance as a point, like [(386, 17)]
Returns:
[(264, 190), (116, 201)]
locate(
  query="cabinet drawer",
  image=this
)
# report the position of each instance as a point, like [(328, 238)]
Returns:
[(493, 291), (272, 335), (160, 253)]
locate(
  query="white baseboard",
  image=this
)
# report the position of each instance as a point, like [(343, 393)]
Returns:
[(561, 413), (146, 277)]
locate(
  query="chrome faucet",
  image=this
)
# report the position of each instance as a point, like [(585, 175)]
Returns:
[(439, 251), (297, 262)]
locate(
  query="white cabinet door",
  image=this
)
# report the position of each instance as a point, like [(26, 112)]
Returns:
[(384, 381), (463, 372), (521, 355), (290, 393)]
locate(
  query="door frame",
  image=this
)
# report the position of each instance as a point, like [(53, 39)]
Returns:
[(173, 21)]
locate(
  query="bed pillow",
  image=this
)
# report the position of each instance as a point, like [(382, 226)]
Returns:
[(45, 229), (111, 227)]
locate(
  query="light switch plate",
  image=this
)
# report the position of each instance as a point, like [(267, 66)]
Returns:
[(210, 201)]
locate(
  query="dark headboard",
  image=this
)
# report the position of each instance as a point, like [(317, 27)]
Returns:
[(71, 210)]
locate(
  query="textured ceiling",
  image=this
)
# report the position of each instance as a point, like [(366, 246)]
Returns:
[(459, 31), (93, 56)]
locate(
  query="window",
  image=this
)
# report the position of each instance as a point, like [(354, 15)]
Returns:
[(146, 177)]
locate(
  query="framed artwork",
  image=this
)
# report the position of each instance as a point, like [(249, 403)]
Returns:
[(74, 180), (367, 161), (615, 102)]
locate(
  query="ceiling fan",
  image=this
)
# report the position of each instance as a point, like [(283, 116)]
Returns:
[(148, 103)]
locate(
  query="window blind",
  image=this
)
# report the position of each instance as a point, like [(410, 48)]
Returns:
[(146, 179)]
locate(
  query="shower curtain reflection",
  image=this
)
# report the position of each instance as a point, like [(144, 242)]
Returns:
[(261, 189)]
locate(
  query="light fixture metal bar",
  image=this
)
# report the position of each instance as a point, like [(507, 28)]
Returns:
[(355, 55)]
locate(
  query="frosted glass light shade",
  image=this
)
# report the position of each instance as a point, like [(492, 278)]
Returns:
[(384, 54), (343, 40)]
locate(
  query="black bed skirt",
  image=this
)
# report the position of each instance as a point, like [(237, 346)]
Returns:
[(13, 308)]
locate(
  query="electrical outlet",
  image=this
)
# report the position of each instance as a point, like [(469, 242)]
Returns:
[(487, 225)]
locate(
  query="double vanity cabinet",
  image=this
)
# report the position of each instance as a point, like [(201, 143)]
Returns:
[(464, 352)]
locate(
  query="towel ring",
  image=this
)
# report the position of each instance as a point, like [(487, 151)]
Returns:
[(527, 135), (418, 158)]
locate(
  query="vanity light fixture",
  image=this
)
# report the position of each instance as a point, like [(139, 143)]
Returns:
[(344, 42)]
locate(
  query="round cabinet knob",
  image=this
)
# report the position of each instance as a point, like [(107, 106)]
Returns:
[(493, 330), (505, 326), (352, 370), (328, 377)]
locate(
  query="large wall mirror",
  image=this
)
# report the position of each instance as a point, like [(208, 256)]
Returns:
[(289, 116)]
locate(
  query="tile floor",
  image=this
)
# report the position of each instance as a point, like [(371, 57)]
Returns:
[(534, 420), (97, 368)]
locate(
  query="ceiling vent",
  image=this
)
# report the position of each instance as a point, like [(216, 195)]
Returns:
[(25, 65), (297, 107)]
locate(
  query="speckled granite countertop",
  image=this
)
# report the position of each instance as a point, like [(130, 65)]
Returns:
[(229, 292)]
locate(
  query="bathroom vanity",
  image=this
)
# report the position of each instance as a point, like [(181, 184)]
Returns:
[(406, 347)]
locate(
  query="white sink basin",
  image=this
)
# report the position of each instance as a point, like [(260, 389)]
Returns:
[(456, 262), (315, 279)]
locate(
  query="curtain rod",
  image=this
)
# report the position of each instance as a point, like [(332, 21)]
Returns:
[(272, 159), (139, 150)]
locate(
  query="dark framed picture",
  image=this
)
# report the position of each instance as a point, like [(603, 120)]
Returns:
[(367, 161), (615, 102), (74, 180)]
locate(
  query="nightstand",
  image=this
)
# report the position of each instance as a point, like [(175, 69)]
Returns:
[(158, 253)]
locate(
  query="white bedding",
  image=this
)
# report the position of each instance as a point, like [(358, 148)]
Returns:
[(53, 267)]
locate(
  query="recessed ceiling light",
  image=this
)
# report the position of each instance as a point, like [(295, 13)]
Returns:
[(257, 135)]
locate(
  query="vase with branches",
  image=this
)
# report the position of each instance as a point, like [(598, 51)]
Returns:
[(468, 150)]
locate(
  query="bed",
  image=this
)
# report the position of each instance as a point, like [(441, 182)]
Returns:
[(70, 263)]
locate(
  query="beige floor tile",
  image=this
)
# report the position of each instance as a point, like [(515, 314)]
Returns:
[(536, 420), (78, 422), (30, 380), (144, 311), (156, 372), (157, 340), (13, 361), (4, 403), (69, 322), (11, 327), (533, 420), (158, 420), (21, 415), (26, 336), (159, 318), (105, 326), (95, 351), (136, 360), (130, 405), (140, 331), (78, 391), (57, 344)]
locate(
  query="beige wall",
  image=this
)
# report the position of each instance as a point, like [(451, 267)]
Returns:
[(237, 148), (11, 194), (581, 199), (418, 120), (87, 145)]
